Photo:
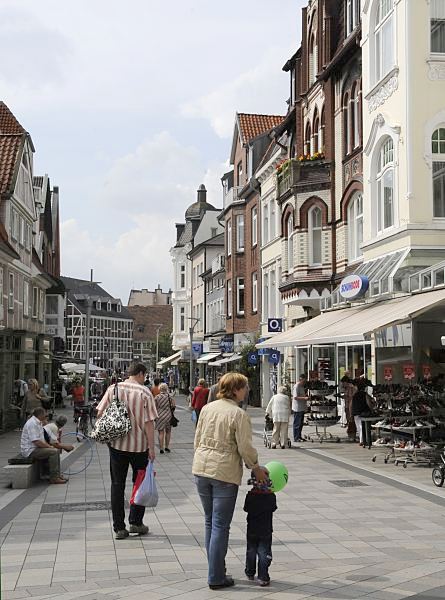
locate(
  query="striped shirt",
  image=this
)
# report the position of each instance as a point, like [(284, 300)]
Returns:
[(141, 409)]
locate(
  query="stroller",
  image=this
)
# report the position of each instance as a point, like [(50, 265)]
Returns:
[(267, 433)]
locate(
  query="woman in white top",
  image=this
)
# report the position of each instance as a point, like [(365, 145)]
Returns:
[(279, 408)]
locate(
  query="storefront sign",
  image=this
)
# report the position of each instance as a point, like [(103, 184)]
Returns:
[(387, 373), (252, 358), (263, 351), (409, 371), (274, 325), (353, 286), (426, 371), (274, 357)]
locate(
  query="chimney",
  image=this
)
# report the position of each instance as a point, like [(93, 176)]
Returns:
[(179, 230), (202, 193)]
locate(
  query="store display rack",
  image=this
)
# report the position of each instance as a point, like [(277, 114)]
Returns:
[(323, 412)]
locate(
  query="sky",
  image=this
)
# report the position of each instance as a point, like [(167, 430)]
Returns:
[(131, 106)]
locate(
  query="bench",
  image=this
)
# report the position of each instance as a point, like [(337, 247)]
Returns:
[(22, 472)]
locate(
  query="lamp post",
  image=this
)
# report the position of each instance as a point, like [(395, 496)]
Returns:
[(191, 331)]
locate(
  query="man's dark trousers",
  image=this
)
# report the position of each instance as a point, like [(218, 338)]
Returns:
[(298, 425), (119, 463)]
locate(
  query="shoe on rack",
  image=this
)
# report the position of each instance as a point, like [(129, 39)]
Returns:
[(301, 440), (140, 529), (228, 582), (121, 534)]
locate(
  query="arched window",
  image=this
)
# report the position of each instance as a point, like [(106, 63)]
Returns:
[(316, 136), (315, 224), (385, 185), (290, 243), (346, 130), (312, 71), (384, 38), (307, 138), (355, 227), (322, 136), (438, 149), (355, 116)]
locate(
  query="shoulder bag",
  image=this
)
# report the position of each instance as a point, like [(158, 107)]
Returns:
[(114, 423), (173, 420)]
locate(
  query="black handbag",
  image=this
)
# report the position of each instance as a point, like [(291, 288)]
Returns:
[(173, 420)]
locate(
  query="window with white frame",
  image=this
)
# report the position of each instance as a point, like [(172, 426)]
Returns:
[(240, 295), (109, 306), (26, 299), (352, 15), (240, 233), (273, 228), (229, 237), (290, 243), (438, 26), (11, 291), (265, 224), (438, 150), (13, 218), (98, 305), (35, 302), (229, 298), (315, 228), (265, 296), (254, 222), (273, 293), (355, 227), (346, 129), (312, 60), (385, 186), (254, 292), (355, 116), (182, 277), (41, 305), (384, 38), (182, 318), (119, 307)]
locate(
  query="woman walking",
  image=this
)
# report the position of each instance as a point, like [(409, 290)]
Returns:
[(199, 397), (165, 405), (223, 442), (279, 409)]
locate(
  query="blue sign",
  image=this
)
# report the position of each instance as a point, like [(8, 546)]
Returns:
[(252, 358), (226, 345), (263, 351), (274, 325), (274, 357), (197, 350), (353, 287)]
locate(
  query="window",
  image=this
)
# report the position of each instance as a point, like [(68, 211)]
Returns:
[(41, 305), (22, 231), (239, 172), (229, 298), (384, 38), (28, 236), (25, 299), (438, 26), (307, 137), (98, 305), (240, 233), (315, 143), (109, 306), (119, 307), (385, 186), (240, 295), (229, 237), (354, 116), (346, 131), (11, 291), (1, 287), (273, 292), (13, 220), (254, 292), (265, 296), (355, 227), (312, 60), (35, 302), (352, 18), (182, 277), (272, 220), (182, 318), (438, 148), (265, 224), (315, 236), (254, 226), (290, 244)]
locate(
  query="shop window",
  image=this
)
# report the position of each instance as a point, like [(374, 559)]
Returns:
[(315, 229), (355, 227), (438, 149), (254, 222), (383, 38), (385, 186), (240, 295), (438, 26), (254, 292), (240, 233)]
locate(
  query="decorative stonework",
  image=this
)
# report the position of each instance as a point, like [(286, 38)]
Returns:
[(383, 93), (436, 70)]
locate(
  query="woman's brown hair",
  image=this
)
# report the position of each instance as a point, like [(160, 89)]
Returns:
[(230, 383)]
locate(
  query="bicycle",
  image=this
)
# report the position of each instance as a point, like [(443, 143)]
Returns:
[(83, 418), (438, 473)]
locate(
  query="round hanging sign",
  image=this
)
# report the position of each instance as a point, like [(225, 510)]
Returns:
[(353, 286)]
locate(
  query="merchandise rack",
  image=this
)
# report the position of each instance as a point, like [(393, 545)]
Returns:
[(326, 411)]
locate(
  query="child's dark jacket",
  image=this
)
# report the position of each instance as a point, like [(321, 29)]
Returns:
[(260, 508)]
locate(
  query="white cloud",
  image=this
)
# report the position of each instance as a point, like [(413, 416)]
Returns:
[(262, 89)]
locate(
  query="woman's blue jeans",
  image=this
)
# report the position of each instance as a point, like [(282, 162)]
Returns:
[(218, 500)]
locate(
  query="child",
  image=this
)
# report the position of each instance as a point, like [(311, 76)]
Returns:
[(259, 505)]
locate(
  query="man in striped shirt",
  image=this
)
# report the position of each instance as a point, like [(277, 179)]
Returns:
[(135, 449)]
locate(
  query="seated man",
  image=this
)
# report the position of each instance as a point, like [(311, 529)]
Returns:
[(33, 445), (53, 434)]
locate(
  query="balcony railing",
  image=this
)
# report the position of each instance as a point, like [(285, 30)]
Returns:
[(231, 196), (288, 176)]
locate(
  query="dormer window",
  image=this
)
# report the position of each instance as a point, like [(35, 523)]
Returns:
[(119, 307), (98, 305), (109, 306)]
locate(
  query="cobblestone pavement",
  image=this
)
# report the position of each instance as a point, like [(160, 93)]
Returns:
[(345, 528)]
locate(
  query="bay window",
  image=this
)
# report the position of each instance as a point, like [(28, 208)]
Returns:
[(438, 26), (290, 244), (384, 39), (355, 227)]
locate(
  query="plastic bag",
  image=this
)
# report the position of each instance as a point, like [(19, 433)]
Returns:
[(194, 417), (147, 493), (137, 484)]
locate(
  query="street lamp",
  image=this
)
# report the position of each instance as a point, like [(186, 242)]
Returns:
[(191, 331)]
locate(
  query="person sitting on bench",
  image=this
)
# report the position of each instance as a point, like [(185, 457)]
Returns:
[(53, 434), (33, 445)]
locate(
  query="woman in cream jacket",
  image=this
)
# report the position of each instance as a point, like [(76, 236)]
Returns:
[(223, 441)]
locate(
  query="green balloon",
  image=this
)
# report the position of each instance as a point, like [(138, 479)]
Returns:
[(278, 475)]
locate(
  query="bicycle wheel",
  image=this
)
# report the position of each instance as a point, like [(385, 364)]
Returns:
[(438, 476), (83, 426)]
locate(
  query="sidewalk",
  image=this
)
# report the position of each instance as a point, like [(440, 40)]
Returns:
[(338, 534)]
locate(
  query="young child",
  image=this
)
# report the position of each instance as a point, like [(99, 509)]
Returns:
[(260, 504)]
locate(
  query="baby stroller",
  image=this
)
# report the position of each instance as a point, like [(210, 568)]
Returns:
[(267, 433)]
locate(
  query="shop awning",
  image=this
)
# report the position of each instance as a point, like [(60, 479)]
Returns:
[(204, 358), (228, 359), (169, 359), (355, 323)]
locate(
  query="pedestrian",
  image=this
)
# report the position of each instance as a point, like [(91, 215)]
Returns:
[(213, 392), (260, 504), (359, 406), (348, 390), (223, 442), (199, 397), (53, 434), (78, 392), (155, 387), (279, 408), (33, 397), (33, 445), (299, 407), (165, 405), (135, 449)]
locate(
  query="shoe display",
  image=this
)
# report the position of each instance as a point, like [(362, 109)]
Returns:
[(140, 529), (229, 582), (121, 534)]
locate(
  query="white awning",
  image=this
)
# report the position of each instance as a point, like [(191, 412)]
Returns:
[(355, 323), (204, 358), (228, 359), (166, 361)]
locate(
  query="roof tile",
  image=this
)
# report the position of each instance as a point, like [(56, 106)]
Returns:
[(8, 123), (10, 146), (252, 125)]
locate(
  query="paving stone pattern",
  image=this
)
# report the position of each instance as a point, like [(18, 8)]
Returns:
[(369, 541)]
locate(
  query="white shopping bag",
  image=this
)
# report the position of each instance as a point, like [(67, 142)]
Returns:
[(147, 494)]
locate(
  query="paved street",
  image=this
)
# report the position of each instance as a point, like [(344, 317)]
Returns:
[(378, 539)]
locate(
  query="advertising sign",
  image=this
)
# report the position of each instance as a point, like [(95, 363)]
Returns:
[(274, 357), (409, 371), (274, 325), (252, 358), (387, 373), (353, 287)]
